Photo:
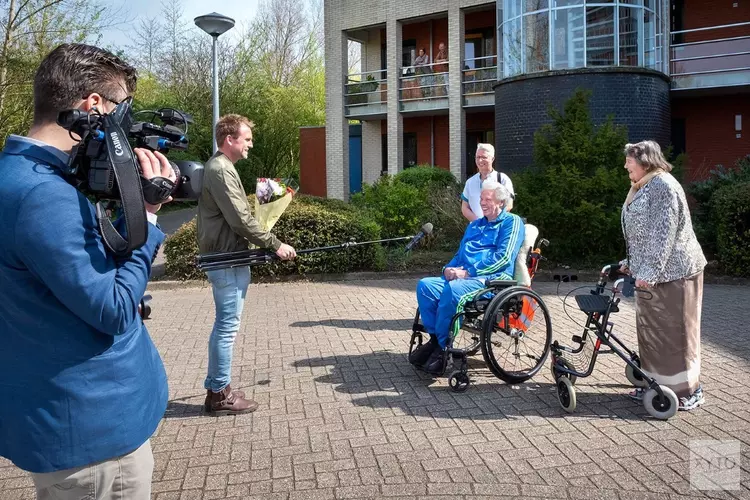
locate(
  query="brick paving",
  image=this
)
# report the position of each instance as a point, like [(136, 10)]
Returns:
[(343, 415)]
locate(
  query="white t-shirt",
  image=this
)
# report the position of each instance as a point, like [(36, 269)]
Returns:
[(473, 190)]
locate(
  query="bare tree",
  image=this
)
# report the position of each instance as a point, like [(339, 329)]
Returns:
[(286, 39), (148, 44), (29, 29), (354, 57)]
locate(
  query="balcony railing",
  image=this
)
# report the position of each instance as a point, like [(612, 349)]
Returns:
[(366, 94), (424, 87), (716, 56), (479, 74)]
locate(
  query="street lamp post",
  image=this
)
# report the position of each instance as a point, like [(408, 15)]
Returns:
[(215, 25)]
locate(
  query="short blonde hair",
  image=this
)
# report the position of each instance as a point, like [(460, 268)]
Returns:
[(230, 125), (648, 155), (486, 147)]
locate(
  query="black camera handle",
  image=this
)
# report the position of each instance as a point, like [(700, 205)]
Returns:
[(121, 157)]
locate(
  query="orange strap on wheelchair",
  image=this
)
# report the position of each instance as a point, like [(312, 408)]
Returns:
[(521, 321)]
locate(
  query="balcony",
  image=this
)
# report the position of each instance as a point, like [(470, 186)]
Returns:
[(719, 57), (424, 88), (366, 95), (478, 76)]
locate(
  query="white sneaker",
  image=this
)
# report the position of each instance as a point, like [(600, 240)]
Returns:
[(694, 401)]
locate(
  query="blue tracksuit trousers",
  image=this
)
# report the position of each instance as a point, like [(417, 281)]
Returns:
[(439, 299)]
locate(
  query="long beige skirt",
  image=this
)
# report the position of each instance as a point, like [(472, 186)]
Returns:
[(668, 322)]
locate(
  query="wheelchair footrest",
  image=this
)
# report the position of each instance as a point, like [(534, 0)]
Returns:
[(593, 303)]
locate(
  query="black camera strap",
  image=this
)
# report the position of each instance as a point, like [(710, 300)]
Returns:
[(131, 195)]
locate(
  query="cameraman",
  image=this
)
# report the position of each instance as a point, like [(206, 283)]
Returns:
[(226, 225), (82, 386)]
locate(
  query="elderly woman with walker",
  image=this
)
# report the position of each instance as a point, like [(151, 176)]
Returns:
[(666, 261)]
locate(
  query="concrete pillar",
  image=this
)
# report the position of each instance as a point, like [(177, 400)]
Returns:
[(456, 113), (372, 158), (337, 126), (395, 120)]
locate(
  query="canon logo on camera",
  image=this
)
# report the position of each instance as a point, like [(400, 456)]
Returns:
[(116, 142)]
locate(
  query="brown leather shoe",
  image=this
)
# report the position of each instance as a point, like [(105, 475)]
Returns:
[(228, 402), (207, 403)]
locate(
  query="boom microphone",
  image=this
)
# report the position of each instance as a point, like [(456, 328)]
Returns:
[(426, 229)]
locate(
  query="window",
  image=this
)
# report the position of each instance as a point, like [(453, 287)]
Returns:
[(600, 36), (543, 35), (410, 149), (408, 54)]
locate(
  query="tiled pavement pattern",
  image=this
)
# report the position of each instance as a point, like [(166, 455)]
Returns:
[(343, 415)]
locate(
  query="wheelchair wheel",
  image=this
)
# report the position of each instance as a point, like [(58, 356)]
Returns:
[(661, 408), (566, 394), (516, 335), (458, 381), (633, 377), (556, 374)]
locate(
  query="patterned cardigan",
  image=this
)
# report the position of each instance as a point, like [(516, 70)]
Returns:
[(661, 244)]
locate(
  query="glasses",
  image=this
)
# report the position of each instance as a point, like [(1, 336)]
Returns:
[(128, 99), (488, 158)]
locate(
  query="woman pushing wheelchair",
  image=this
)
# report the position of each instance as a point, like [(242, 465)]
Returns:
[(487, 251)]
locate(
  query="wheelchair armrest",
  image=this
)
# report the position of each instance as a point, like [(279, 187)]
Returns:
[(501, 283)]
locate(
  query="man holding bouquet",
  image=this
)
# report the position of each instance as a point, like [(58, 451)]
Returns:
[(225, 224)]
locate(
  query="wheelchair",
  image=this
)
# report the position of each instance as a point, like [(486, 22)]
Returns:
[(507, 320), (571, 363)]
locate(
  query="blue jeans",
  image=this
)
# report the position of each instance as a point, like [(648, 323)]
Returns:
[(440, 299), (229, 287)]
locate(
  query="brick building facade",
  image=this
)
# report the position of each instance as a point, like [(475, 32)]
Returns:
[(678, 72)]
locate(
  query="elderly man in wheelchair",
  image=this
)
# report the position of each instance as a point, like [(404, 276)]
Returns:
[(478, 293)]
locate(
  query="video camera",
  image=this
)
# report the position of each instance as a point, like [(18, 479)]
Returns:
[(104, 166)]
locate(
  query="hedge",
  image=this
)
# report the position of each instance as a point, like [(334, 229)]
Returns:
[(731, 212), (307, 223)]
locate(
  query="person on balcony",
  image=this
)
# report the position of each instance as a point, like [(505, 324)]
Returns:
[(422, 67), (441, 57), (470, 205), (488, 250), (441, 66)]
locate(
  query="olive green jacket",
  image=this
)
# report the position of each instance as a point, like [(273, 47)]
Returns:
[(225, 223)]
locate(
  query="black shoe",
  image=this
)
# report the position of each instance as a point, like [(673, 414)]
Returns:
[(435, 365), (422, 353)]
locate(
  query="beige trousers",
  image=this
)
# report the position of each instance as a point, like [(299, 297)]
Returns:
[(123, 478)]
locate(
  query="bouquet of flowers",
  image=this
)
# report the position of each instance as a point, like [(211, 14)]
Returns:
[(272, 196)]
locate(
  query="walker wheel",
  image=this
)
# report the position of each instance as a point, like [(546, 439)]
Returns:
[(633, 377), (458, 381), (662, 408), (566, 394), (556, 374)]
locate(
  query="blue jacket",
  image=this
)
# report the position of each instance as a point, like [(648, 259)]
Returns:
[(80, 379), (489, 249)]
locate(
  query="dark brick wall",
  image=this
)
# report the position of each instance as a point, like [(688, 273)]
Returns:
[(636, 98), (710, 136)]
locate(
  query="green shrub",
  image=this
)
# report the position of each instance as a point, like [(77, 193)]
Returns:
[(444, 212), (731, 217), (398, 208), (575, 190), (424, 176), (327, 203), (703, 193), (306, 223), (180, 251)]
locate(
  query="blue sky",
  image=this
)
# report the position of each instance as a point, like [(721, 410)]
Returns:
[(242, 11)]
